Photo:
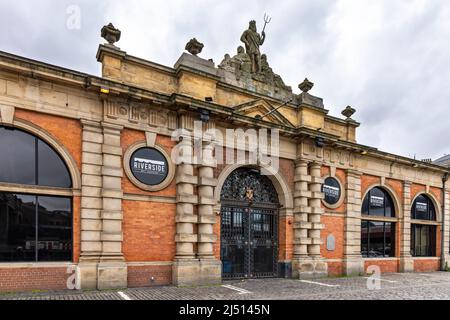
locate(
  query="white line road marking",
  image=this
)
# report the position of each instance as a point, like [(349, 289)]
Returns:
[(123, 296), (320, 284), (390, 281), (241, 291)]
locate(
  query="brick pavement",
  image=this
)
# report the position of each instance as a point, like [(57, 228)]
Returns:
[(393, 286)]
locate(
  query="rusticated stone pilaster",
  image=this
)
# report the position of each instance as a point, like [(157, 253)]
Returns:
[(91, 204), (186, 268), (446, 231), (206, 217), (307, 221), (301, 211), (353, 262), (112, 270), (406, 261)]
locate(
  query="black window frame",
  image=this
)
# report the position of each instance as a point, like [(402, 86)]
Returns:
[(393, 237), (431, 213), (54, 228), (432, 240), (36, 226)]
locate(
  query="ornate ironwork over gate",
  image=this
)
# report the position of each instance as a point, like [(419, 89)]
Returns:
[(249, 226)]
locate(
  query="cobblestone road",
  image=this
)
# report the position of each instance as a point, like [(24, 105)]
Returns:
[(423, 286)]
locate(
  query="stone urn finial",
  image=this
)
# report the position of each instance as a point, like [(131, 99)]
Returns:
[(348, 112), (306, 85), (194, 47), (111, 34)]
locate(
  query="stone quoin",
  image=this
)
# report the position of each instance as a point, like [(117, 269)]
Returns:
[(91, 192)]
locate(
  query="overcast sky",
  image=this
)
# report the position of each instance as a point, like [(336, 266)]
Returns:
[(389, 59)]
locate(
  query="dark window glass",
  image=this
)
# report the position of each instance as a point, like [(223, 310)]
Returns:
[(423, 240), (423, 209), (26, 159), (52, 171), (377, 239), (378, 203), (17, 157), (365, 238), (237, 219), (22, 241), (389, 206), (389, 239), (332, 191), (226, 217), (55, 229), (17, 228), (365, 207)]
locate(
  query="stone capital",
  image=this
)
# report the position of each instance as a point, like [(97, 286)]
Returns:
[(302, 162), (354, 173)]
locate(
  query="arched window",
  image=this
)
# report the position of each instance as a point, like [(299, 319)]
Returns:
[(423, 209), (26, 159), (34, 226), (377, 227), (423, 235), (378, 203)]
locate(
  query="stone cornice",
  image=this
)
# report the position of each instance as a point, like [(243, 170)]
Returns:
[(36, 69), (122, 55)]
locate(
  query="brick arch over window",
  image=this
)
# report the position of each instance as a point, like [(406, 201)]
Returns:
[(60, 149)]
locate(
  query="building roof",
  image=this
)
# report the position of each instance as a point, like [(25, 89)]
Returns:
[(443, 161)]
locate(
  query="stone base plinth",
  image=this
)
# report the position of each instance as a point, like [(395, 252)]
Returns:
[(446, 263), (87, 275), (353, 267), (210, 272), (309, 268), (406, 264), (112, 275), (196, 272)]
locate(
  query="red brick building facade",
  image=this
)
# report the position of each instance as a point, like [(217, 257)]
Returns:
[(181, 231)]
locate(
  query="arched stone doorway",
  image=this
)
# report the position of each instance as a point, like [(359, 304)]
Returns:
[(249, 225)]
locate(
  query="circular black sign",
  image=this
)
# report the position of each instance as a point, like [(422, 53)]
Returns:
[(149, 166), (332, 191)]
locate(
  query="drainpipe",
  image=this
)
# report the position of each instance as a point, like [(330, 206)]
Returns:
[(443, 231)]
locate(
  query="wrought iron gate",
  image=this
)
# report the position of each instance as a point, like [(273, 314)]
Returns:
[(249, 226)]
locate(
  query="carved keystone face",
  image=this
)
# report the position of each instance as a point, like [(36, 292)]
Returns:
[(249, 194)]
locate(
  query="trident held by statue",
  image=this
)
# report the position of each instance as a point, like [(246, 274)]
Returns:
[(267, 20)]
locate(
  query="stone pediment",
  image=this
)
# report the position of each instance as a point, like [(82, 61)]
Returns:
[(262, 108)]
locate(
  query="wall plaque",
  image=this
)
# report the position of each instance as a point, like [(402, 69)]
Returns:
[(149, 166), (332, 191), (331, 243)]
